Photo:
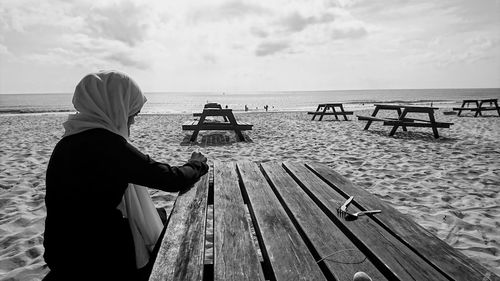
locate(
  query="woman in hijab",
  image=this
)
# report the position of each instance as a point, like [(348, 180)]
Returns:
[(99, 221)]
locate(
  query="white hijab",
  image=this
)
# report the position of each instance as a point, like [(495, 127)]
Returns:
[(106, 100)]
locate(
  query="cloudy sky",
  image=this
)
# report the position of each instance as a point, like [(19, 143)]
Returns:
[(237, 45)]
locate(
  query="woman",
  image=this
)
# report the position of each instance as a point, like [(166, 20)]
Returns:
[(86, 236)]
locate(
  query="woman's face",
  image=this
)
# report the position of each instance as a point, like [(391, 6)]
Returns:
[(131, 120)]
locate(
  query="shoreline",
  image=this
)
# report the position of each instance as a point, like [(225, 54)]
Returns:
[(350, 105), (447, 185)]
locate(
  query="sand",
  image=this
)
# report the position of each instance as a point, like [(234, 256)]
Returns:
[(448, 185)]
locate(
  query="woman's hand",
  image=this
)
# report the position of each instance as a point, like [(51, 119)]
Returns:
[(202, 160), (197, 156)]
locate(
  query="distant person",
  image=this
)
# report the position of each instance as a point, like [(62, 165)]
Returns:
[(246, 107), (91, 191), (266, 107)]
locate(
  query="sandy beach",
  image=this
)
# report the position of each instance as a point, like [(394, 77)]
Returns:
[(448, 185)]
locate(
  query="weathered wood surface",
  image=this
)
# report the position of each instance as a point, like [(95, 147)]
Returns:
[(387, 252), (324, 235), (235, 257), (300, 234), (181, 255), (287, 252), (450, 262)]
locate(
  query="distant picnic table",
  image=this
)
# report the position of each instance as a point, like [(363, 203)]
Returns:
[(292, 208), (214, 110), (323, 109), (402, 121), (479, 108)]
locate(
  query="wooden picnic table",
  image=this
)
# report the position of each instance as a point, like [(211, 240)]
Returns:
[(229, 123), (292, 208), (323, 108), (479, 108), (402, 121)]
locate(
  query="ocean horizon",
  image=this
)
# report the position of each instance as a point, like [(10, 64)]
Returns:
[(188, 102)]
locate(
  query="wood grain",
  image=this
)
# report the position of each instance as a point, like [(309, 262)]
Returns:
[(287, 252), (325, 236), (235, 257), (181, 254), (448, 260)]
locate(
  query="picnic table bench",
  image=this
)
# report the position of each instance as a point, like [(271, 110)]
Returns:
[(322, 110), (402, 121), (292, 209), (479, 108), (204, 124)]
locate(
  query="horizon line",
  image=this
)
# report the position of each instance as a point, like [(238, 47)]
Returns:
[(266, 91)]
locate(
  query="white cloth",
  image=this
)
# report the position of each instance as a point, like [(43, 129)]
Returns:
[(144, 221), (106, 100)]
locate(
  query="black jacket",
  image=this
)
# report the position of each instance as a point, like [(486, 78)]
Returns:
[(86, 178)]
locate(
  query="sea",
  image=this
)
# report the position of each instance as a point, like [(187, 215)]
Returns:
[(189, 102)]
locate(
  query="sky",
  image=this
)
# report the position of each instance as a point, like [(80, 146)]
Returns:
[(236, 45)]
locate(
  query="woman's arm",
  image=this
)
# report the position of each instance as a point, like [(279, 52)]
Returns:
[(140, 169)]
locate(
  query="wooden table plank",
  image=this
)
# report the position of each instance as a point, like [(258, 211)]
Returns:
[(235, 257), (181, 254), (450, 261), (284, 248), (390, 253), (324, 235)]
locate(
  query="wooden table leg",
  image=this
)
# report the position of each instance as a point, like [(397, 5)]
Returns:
[(342, 110), (399, 114), (370, 121), (460, 110), (323, 114), (401, 117), (198, 126), (498, 108), (333, 109), (232, 121), (478, 112), (433, 122), (314, 115)]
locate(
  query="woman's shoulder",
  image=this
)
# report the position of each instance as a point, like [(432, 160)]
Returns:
[(94, 139), (97, 134)]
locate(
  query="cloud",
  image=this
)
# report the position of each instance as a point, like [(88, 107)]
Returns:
[(470, 51), (125, 59), (226, 11), (209, 58), (295, 22), (259, 32), (23, 16), (83, 33), (83, 51), (4, 50), (348, 33), (270, 48), (124, 21)]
